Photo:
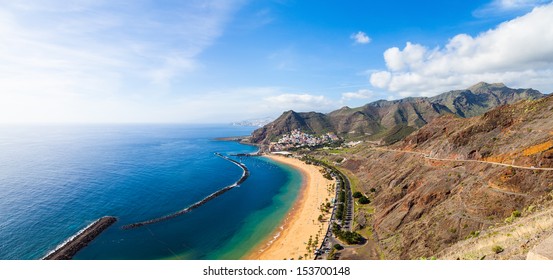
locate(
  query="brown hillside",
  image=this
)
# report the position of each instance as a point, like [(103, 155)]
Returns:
[(424, 205)]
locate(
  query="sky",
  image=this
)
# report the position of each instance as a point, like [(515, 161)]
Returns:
[(219, 61)]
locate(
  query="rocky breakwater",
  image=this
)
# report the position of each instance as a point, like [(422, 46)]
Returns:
[(245, 175), (74, 244)]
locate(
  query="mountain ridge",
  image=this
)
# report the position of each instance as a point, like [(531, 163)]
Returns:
[(391, 121), (440, 186)]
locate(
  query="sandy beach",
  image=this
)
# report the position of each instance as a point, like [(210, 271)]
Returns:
[(292, 237)]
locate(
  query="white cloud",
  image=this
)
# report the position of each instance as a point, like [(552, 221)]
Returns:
[(411, 56), (360, 94), (500, 7), (256, 101), (299, 102), (517, 52), (361, 38), (380, 79)]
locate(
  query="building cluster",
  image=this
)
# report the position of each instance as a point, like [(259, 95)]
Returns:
[(298, 139)]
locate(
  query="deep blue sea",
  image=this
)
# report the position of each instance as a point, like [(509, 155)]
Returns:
[(57, 179)]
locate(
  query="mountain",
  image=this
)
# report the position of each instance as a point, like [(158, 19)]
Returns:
[(391, 121), (254, 122), (441, 186), (311, 122)]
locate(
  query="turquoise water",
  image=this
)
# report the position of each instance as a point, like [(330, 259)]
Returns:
[(55, 180)]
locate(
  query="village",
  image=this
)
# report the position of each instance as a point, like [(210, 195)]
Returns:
[(298, 139)]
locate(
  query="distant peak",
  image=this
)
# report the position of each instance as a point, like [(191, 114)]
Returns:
[(484, 85)]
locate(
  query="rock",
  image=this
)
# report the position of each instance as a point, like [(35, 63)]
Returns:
[(542, 251)]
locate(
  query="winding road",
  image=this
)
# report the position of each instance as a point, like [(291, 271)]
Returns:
[(427, 156)]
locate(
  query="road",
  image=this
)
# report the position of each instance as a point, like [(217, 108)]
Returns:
[(427, 156), (342, 183)]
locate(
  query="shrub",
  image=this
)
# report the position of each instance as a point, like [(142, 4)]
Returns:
[(473, 234), (513, 216), (364, 200), (497, 249), (357, 195), (347, 236), (340, 211), (338, 246)]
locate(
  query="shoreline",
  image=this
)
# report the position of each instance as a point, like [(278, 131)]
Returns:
[(290, 238)]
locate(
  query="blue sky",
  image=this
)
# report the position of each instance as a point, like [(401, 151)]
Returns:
[(220, 61)]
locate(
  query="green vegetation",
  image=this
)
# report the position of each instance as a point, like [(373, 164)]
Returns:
[(473, 234), (357, 194), (497, 249), (338, 246), (331, 254), (327, 174), (348, 236), (514, 215), (340, 213), (364, 200)]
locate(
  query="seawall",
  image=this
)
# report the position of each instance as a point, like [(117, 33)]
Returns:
[(245, 175), (74, 244)]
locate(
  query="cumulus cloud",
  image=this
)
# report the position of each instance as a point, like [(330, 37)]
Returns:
[(361, 38), (517, 52), (360, 94)]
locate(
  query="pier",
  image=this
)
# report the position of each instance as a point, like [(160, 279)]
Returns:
[(245, 175), (255, 154), (74, 244)]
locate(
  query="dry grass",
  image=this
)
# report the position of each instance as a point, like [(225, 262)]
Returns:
[(516, 238), (538, 148)]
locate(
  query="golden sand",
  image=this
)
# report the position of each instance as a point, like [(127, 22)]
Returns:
[(292, 237)]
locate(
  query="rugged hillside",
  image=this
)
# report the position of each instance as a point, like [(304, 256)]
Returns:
[(422, 205), (518, 134), (312, 122), (391, 121)]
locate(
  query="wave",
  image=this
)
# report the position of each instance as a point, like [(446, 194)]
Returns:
[(245, 175)]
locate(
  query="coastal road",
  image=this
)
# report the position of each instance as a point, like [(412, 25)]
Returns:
[(427, 156), (342, 183), (349, 198)]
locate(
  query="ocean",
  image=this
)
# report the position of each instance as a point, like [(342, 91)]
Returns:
[(57, 179)]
